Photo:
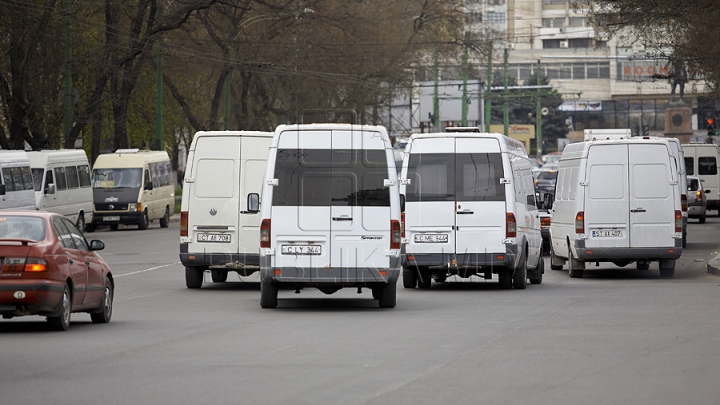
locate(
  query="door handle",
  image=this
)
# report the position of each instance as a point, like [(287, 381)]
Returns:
[(342, 219), (639, 210), (87, 263), (71, 261), (465, 212)]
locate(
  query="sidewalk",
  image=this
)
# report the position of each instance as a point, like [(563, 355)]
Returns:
[(713, 265)]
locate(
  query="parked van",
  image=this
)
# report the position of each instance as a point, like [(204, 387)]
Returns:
[(701, 160), (132, 187), (16, 183), (217, 230), (62, 183), (470, 210), (617, 199), (330, 212)]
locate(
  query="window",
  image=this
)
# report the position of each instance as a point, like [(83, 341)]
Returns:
[(707, 165), (60, 179), (22, 227), (556, 22), (689, 166), (495, 2), (72, 177), (76, 235), (578, 21), (37, 178), (48, 180), (63, 233), (493, 17), (84, 175), (555, 1), (117, 178)]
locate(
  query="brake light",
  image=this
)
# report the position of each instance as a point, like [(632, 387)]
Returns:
[(35, 264), (402, 219), (510, 225), (13, 264), (580, 223), (265, 233), (395, 234), (545, 222), (698, 195), (184, 223), (678, 221), (536, 182), (684, 202)]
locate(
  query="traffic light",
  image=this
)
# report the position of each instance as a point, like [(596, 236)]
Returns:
[(711, 127)]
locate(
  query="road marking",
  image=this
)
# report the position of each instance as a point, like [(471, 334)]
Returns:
[(150, 269)]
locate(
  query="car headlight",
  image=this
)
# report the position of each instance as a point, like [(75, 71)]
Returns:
[(132, 207)]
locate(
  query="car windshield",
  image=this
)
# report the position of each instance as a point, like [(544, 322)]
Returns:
[(20, 227), (549, 175), (693, 184), (117, 178)]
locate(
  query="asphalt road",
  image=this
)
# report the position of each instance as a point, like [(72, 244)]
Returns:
[(616, 336)]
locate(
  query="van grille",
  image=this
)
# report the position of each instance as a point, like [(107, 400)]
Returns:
[(111, 207)]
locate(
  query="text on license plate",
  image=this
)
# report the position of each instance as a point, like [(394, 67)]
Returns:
[(113, 218), (213, 237), (431, 238), (301, 250), (607, 234)]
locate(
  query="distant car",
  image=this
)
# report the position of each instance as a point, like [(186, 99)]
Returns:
[(697, 201), (546, 179), (49, 269), (551, 158)]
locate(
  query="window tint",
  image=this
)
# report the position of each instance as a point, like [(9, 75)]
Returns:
[(63, 233), (432, 176), (76, 235), (27, 177), (84, 175), (323, 177), (117, 178), (7, 179), (37, 175), (60, 180), (689, 166), (477, 177), (707, 165), (72, 177)]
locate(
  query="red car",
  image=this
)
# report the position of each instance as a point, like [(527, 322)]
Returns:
[(49, 269)]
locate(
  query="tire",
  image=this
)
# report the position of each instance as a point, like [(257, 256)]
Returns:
[(541, 270), (643, 265), (667, 268), (62, 321), (165, 220), (144, 221), (519, 279), (684, 239), (388, 295), (104, 312), (505, 279), (81, 222), (440, 278), (424, 278), (553, 258), (576, 267), (702, 219), (219, 276), (375, 292), (409, 278), (193, 277), (114, 227), (268, 295), (90, 228)]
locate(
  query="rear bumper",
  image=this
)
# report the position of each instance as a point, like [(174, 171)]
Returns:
[(614, 253), (331, 276), (465, 260), (40, 297), (125, 218), (246, 263)]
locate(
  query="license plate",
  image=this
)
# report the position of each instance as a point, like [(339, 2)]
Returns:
[(607, 234), (431, 238), (113, 218), (301, 250), (213, 237)]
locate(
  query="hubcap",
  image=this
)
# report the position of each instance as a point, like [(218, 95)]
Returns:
[(66, 308)]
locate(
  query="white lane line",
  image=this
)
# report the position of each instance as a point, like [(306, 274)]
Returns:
[(150, 269)]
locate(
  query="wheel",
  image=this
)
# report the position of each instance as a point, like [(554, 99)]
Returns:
[(219, 276), (104, 312), (144, 221), (424, 278), (114, 227), (62, 321), (505, 279), (575, 267), (409, 278), (540, 271), (81, 222), (90, 228), (520, 274), (702, 219), (553, 260), (165, 220), (193, 277), (643, 265), (388, 295), (375, 293), (684, 239), (667, 268), (268, 294), (439, 277)]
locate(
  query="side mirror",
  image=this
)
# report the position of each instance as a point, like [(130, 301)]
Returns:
[(50, 189), (2, 189), (149, 185), (97, 245), (402, 202), (253, 203)]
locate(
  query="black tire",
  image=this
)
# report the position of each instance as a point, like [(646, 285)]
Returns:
[(193, 277), (104, 312), (702, 219), (505, 279), (61, 322), (684, 239), (667, 268), (424, 278), (575, 267), (520, 274), (643, 265), (268, 295), (144, 221), (540, 270), (409, 277), (375, 292), (553, 258), (90, 228), (165, 220), (114, 227), (440, 277), (219, 276), (388, 295), (81, 222)]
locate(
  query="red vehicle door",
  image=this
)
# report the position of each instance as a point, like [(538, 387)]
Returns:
[(76, 260)]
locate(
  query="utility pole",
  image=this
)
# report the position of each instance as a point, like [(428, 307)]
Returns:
[(68, 96), (506, 109), (488, 93), (463, 121), (538, 115), (436, 98), (226, 93), (158, 96)]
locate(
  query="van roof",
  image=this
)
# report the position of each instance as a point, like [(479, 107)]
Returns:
[(129, 158), (43, 157), (580, 149), (507, 144), (13, 156), (310, 127), (234, 133)]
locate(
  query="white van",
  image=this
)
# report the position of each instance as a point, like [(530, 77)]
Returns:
[(62, 183), (470, 210), (16, 182), (330, 212), (132, 187), (217, 230), (617, 200), (701, 160)]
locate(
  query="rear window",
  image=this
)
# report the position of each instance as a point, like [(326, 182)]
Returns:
[(17, 178), (707, 165), (455, 177), (325, 177), (693, 184), (689, 166), (548, 175), (19, 227)]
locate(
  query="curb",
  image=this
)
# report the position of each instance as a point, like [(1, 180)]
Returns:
[(713, 265)]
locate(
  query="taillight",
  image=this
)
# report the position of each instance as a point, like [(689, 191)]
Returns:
[(265, 233), (402, 219), (395, 234), (678, 221), (545, 222), (184, 223), (20, 264), (580, 222), (684, 202), (510, 225), (698, 195), (35, 264)]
